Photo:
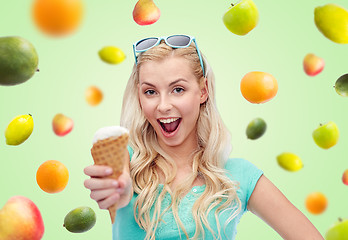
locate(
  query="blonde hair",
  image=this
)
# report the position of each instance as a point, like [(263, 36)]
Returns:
[(208, 160)]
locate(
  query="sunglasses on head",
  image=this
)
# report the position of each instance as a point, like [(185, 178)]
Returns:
[(174, 41)]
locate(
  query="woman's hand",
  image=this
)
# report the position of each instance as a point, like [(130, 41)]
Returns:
[(106, 191)]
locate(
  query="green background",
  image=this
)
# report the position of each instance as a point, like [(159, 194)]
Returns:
[(68, 65)]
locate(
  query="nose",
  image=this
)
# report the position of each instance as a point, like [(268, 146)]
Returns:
[(164, 104)]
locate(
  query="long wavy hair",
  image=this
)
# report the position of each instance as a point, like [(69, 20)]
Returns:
[(208, 159)]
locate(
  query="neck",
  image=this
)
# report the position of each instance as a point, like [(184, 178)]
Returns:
[(182, 155)]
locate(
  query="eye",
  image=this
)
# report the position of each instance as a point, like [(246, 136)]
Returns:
[(150, 92), (178, 90)]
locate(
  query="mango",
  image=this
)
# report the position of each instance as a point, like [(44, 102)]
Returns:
[(18, 60)]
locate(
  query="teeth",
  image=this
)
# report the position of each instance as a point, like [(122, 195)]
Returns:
[(168, 120)]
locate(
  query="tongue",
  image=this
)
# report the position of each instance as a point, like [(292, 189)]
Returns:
[(170, 127)]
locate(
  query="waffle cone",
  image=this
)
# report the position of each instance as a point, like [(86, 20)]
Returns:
[(111, 152)]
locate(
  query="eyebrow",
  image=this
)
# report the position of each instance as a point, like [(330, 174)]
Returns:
[(171, 84)]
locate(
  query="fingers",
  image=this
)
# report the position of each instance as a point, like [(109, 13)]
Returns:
[(104, 190), (100, 183), (99, 195), (122, 180), (105, 198), (109, 201), (97, 171)]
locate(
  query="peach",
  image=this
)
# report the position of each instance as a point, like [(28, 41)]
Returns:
[(20, 219), (146, 12), (313, 64), (345, 177), (62, 124)]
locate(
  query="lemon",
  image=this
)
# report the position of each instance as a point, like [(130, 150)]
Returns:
[(111, 55), (19, 129), (332, 21), (80, 220), (289, 161), (256, 128)]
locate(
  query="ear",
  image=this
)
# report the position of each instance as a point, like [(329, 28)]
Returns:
[(204, 90)]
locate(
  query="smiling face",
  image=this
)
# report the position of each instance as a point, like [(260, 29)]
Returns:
[(170, 97)]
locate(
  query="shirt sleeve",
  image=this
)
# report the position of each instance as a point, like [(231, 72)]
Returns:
[(247, 175), (130, 151)]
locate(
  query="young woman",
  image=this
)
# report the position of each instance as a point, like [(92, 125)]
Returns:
[(180, 182)]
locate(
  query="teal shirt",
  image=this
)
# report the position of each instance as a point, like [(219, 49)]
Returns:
[(247, 174)]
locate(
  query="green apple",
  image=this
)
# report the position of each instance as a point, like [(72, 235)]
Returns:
[(326, 135), (339, 231), (242, 17)]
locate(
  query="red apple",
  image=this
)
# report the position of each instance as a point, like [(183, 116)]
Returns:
[(146, 12), (313, 64), (345, 177), (62, 124), (20, 219)]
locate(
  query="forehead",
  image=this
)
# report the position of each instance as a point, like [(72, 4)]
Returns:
[(169, 67)]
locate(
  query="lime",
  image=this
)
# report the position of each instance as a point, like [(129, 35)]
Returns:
[(112, 55), (289, 161), (256, 128), (341, 85), (80, 220), (19, 129)]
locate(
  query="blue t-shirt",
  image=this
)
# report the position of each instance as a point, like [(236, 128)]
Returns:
[(247, 174)]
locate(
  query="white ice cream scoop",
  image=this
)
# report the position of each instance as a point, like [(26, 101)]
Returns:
[(110, 131)]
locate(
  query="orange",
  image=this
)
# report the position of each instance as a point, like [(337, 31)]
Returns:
[(52, 176), (57, 17), (258, 87), (316, 202), (93, 95)]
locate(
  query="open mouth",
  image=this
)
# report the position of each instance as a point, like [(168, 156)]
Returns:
[(169, 125)]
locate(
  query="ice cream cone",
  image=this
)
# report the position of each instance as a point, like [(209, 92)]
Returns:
[(111, 152)]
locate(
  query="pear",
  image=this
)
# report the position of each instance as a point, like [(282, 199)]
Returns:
[(146, 12), (18, 60), (332, 21)]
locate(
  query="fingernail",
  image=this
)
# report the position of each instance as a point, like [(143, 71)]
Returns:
[(108, 171), (114, 183), (120, 190)]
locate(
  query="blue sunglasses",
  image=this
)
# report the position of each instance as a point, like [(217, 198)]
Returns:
[(174, 41)]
